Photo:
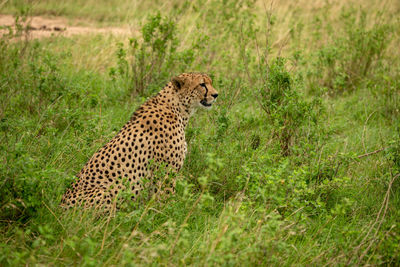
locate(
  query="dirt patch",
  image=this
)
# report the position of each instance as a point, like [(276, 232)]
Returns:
[(39, 27)]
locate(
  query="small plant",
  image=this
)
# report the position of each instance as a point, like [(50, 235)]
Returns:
[(150, 60), (284, 107)]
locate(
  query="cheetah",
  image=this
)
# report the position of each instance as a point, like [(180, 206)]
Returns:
[(154, 133)]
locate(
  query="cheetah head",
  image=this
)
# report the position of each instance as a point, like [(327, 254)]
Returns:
[(195, 90)]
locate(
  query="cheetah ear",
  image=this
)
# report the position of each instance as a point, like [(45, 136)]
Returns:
[(177, 82)]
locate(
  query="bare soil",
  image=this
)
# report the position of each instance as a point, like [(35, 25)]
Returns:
[(39, 27)]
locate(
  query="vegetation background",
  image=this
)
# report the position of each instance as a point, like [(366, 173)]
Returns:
[(297, 164)]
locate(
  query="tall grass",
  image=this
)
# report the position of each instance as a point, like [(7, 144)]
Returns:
[(297, 164)]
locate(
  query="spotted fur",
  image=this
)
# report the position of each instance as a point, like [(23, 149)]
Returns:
[(155, 133)]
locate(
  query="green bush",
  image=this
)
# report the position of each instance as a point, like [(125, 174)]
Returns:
[(284, 107), (350, 59), (149, 61)]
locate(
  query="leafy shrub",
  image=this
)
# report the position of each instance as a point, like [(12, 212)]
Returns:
[(284, 107), (346, 61), (152, 59)]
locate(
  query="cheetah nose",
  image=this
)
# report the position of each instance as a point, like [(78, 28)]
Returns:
[(214, 95)]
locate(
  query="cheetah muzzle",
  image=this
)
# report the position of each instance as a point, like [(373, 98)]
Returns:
[(155, 133)]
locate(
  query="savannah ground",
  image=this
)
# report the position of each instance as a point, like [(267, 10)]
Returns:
[(297, 163)]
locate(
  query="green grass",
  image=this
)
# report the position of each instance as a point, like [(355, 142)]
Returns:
[(277, 173)]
